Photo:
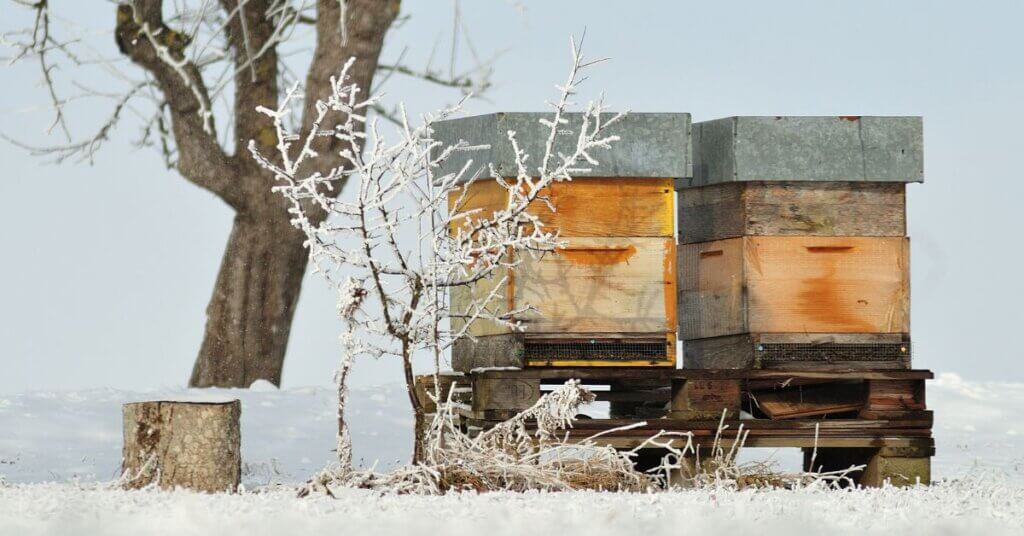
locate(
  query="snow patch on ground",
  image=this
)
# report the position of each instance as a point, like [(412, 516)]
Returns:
[(287, 435), (976, 506), (56, 449)]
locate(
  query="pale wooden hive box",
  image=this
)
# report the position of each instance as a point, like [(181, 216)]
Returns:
[(793, 242), (609, 296)]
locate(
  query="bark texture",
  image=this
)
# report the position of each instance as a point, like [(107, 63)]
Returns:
[(182, 444), (250, 313)]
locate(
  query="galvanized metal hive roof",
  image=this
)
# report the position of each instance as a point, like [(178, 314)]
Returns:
[(832, 148), (651, 144)]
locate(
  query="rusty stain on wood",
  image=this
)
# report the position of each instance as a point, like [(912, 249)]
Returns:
[(598, 257), (822, 298)]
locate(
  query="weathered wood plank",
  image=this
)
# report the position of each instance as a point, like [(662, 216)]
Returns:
[(705, 399), (897, 471), (611, 285), (807, 401), (505, 350), (791, 208), (795, 285), (612, 374), (828, 285), (728, 352), (504, 394), (630, 442), (712, 289), (442, 384), (895, 395)]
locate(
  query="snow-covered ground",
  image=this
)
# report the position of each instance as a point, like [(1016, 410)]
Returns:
[(57, 448), (975, 507)]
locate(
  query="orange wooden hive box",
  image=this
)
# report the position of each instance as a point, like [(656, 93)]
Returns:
[(793, 242), (608, 296)]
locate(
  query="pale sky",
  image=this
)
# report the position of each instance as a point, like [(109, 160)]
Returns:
[(105, 270)]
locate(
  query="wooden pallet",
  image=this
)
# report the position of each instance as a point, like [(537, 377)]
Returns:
[(873, 417)]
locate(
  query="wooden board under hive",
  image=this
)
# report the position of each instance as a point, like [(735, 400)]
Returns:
[(606, 298), (782, 301)]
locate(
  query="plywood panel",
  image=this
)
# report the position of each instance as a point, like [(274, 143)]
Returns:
[(603, 285), (585, 207), (712, 296), (827, 285)]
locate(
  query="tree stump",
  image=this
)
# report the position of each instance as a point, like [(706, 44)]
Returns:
[(193, 445)]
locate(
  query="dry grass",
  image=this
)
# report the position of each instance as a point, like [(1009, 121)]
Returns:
[(515, 457)]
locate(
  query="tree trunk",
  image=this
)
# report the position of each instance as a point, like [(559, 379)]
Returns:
[(250, 315), (192, 445)]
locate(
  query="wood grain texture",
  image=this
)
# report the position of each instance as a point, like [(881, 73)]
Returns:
[(897, 471), (712, 294), (828, 285), (705, 399), (497, 288), (791, 208), (598, 207), (895, 395), (811, 400), (504, 394), (503, 350), (795, 285), (603, 285)]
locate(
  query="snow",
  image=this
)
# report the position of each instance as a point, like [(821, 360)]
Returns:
[(60, 436), (57, 450), (980, 506)]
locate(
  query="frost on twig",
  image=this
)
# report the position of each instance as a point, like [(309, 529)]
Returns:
[(397, 248), (526, 452)]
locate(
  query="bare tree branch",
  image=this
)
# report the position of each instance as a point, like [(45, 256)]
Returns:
[(142, 36)]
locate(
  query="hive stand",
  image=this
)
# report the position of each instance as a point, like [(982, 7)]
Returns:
[(876, 418)]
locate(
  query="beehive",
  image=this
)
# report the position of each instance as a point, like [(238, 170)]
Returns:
[(608, 297), (793, 248)]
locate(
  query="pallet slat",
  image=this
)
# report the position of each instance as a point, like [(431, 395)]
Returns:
[(686, 374)]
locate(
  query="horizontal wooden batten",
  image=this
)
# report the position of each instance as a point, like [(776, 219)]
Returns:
[(600, 375), (591, 206), (794, 284), (731, 210)]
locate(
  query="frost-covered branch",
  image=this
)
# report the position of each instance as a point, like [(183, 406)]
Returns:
[(406, 237)]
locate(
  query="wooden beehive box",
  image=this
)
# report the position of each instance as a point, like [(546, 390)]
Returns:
[(793, 242), (608, 297)]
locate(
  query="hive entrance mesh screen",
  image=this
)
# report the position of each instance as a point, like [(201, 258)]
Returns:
[(596, 351), (833, 352)]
